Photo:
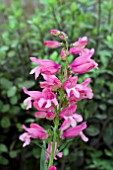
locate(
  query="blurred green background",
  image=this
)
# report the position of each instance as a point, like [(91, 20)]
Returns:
[(24, 26)]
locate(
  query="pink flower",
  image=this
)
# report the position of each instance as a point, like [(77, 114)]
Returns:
[(63, 35), (49, 150), (48, 98), (51, 82), (76, 92), (83, 63), (45, 67), (53, 44), (52, 168), (54, 32), (76, 131), (79, 45), (63, 54), (35, 131), (44, 99), (34, 95), (70, 119), (47, 115)]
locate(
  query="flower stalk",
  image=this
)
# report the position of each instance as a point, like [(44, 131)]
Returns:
[(58, 99)]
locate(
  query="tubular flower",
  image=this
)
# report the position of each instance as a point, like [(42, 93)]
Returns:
[(51, 82), (47, 113), (54, 32), (79, 45), (63, 54), (49, 150), (35, 131), (61, 34), (76, 91), (44, 99), (45, 67), (70, 119), (83, 63), (52, 168), (76, 131), (34, 95), (48, 98), (52, 44)]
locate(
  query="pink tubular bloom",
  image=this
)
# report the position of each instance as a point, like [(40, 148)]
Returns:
[(51, 82), (34, 95), (63, 35), (48, 98), (54, 32), (35, 131), (53, 44), (76, 92), (79, 45), (76, 131), (63, 54), (83, 63), (44, 99), (70, 119), (45, 67), (47, 115), (52, 168), (49, 150)]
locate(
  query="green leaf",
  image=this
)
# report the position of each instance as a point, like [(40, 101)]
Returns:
[(5, 122), (11, 53), (28, 84), (108, 152), (92, 130), (54, 56), (14, 100), (5, 108), (11, 92), (13, 154), (3, 148), (66, 152), (43, 165), (5, 83), (3, 160)]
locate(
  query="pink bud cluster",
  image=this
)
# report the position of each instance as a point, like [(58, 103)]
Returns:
[(48, 102)]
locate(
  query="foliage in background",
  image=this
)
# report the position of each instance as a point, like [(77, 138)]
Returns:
[(22, 36)]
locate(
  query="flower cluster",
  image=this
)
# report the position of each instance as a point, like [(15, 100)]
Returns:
[(58, 99)]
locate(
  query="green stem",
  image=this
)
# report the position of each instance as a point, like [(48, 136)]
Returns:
[(53, 143)]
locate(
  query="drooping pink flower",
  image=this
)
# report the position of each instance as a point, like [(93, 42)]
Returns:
[(63, 54), (48, 98), (49, 150), (35, 131), (76, 131), (76, 92), (70, 117), (83, 63), (63, 35), (52, 168), (44, 99), (34, 95), (47, 115), (53, 44), (54, 32), (79, 45), (45, 67), (51, 82)]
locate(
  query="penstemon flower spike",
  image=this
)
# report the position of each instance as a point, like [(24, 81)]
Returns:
[(57, 101)]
